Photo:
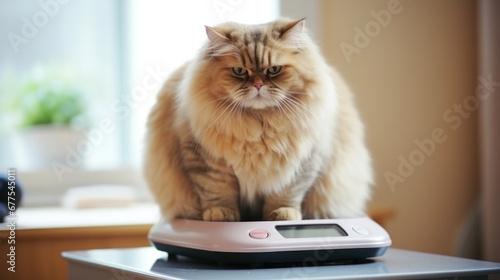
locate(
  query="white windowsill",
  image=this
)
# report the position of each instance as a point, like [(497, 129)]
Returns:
[(59, 217), (42, 189)]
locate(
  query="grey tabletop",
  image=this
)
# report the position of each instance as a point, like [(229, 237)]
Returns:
[(148, 263)]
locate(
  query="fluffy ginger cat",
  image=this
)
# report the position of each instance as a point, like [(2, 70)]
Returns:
[(257, 127)]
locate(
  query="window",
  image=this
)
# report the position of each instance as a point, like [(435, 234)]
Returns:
[(60, 38)]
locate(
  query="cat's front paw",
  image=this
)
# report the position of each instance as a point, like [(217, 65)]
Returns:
[(222, 214), (284, 213)]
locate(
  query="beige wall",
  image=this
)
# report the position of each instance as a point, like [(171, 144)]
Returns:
[(413, 70)]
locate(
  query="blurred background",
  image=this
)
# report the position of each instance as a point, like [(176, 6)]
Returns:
[(77, 79)]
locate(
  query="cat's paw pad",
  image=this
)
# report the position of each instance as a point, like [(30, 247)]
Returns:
[(222, 214), (284, 213)]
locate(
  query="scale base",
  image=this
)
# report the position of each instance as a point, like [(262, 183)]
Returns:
[(314, 257)]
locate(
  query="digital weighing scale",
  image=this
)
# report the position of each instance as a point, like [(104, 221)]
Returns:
[(272, 241)]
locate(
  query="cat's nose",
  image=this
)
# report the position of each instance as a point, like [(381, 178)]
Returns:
[(258, 83)]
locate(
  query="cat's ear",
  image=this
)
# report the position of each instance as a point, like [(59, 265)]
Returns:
[(291, 34), (219, 44), (215, 37)]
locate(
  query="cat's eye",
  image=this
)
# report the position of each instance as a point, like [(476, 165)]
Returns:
[(239, 71), (273, 70)]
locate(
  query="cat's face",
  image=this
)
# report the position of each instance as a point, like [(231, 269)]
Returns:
[(257, 67)]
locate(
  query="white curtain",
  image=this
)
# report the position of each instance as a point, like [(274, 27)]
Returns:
[(489, 73)]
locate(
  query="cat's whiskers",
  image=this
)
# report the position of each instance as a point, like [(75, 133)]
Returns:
[(311, 117), (283, 103), (300, 111), (295, 105), (297, 92), (282, 110), (240, 111), (302, 119), (235, 104), (219, 106), (302, 105), (288, 91), (208, 103)]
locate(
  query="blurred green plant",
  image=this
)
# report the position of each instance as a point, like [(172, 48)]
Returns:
[(46, 97)]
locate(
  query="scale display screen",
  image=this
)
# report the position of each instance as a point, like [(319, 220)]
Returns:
[(308, 231)]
